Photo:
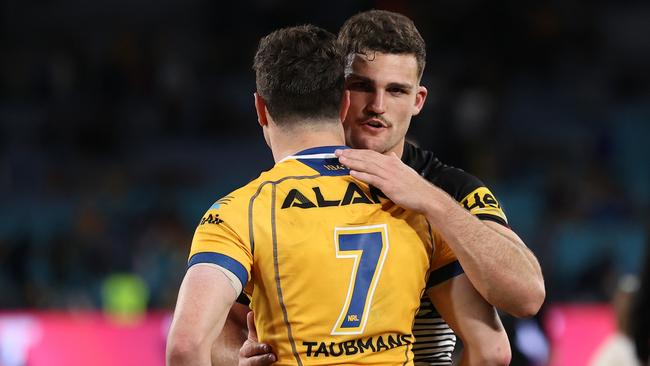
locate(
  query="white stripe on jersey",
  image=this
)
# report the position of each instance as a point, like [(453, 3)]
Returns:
[(434, 340), (310, 156), (437, 341)]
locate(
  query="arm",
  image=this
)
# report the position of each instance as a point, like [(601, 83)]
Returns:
[(238, 346), (497, 262), (474, 320), (225, 350), (204, 298)]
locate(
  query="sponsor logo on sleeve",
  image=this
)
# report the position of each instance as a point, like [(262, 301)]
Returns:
[(482, 202), (211, 219)]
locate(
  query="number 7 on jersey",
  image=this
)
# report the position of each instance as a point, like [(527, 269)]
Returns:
[(368, 247)]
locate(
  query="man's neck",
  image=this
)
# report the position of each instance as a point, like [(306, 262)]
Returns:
[(289, 142), (398, 149)]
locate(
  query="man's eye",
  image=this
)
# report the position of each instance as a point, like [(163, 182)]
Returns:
[(396, 91)]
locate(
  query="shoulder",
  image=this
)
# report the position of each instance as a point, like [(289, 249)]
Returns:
[(456, 182), (239, 201), (232, 208), (464, 187)]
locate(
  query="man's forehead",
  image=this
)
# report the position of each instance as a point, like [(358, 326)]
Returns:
[(383, 67)]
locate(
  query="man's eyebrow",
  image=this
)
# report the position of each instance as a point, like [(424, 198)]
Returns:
[(397, 85), (361, 78), (394, 84)]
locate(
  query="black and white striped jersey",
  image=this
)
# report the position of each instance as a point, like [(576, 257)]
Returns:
[(434, 340)]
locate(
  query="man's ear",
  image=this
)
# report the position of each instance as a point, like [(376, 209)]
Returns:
[(345, 105), (260, 108), (420, 97)]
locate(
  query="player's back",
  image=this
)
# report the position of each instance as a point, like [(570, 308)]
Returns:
[(336, 270)]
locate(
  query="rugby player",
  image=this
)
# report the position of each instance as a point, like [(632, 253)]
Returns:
[(334, 270)]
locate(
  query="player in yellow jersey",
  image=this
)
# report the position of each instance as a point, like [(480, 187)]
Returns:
[(310, 229), (334, 269)]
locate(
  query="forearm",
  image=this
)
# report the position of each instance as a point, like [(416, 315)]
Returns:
[(502, 269), (225, 351), (474, 321)]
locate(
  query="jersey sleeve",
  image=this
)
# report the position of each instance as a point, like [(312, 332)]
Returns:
[(466, 189), (482, 203), (220, 239), (444, 264), (472, 194)]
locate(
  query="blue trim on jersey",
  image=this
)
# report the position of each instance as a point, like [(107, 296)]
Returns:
[(444, 273), (221, 260), (321, 150), (326, 167)]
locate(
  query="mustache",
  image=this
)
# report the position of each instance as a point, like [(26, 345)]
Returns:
[(368, 116)]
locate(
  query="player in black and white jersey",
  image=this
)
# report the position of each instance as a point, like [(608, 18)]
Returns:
[(386, 61), (435, 341)]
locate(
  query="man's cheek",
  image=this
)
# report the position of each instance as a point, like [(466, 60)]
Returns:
[(357, 101)]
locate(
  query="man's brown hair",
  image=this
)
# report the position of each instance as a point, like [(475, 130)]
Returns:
[(299, 74), (382, 31)]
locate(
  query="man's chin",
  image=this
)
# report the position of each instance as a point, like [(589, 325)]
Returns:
[(369, 144)]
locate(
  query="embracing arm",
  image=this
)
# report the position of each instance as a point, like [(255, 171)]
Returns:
[(473, 320), (497, 262), (204, 299)]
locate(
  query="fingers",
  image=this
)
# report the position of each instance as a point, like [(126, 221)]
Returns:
[(364, 154), (359, 155), (250, 323), (372, 167), (253, 353), (356, 153), (263, 360), (358, 165), (369, 157), (362, 160), (251, 349), (367, 178)]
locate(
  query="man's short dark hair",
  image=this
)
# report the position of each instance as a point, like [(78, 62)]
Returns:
[(299, 73), (382, 31)]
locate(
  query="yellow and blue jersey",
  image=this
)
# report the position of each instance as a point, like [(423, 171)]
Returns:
[(334, 270)]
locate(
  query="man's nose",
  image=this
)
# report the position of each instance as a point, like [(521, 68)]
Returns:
[(376, 104)]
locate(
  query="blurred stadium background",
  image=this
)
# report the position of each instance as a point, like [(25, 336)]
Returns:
[(122, 121)]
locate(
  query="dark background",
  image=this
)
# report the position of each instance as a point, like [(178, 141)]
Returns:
[(122, 121)]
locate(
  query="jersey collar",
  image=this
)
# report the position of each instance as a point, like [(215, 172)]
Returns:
[(320, 152)]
